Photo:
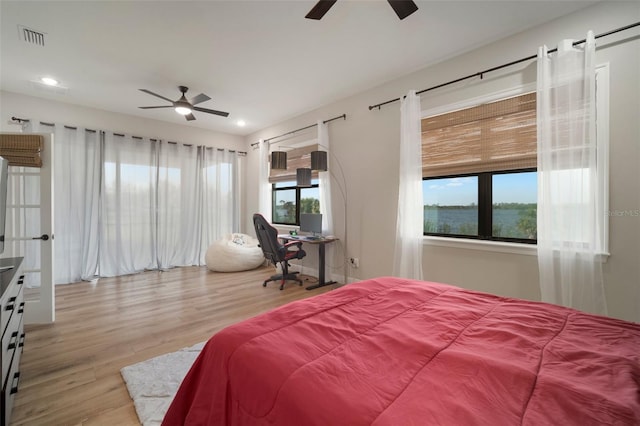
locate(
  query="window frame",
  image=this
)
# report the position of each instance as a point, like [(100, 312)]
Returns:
[(485, 207), (298, 190), (485, 216)]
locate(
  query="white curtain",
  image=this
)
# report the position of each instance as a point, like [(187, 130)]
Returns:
[(568, 227), (76, 184), (124, 204), (264, 188), (324, 182), (407, 261), (76, 205), (179, 205), (221, 191), (164, 203), (128, 211)]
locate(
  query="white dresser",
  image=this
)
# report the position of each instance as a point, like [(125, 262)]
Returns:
[(12, 326)]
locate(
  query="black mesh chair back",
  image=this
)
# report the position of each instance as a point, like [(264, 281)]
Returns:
[(276, 252), (268, 238)]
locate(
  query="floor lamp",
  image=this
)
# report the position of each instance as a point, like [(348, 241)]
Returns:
[(319, 162)]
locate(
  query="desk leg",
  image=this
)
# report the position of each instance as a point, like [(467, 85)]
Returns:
[(321, 281)]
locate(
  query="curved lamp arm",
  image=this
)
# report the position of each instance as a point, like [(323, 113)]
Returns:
[(342, 186)]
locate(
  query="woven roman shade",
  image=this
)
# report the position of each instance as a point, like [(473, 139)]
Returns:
[(22, 149), (495, 136), (296, 159)]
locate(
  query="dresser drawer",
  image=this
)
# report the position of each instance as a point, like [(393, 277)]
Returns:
[(10, 388), (10, 303), (13, 336)]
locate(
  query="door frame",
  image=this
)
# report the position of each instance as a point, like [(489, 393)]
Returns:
[(42, 311)]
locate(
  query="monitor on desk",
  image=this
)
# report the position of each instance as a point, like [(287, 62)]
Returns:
[(311, 223)]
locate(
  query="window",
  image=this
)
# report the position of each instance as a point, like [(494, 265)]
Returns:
[(129, 221), (479, 176), (513, 205), (289, 201), (492, 205), (451, 205), (479, 169)]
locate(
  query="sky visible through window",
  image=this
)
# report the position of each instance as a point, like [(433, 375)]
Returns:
[(463, 191)]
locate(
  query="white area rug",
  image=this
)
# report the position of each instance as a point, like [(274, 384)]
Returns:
[(153, 383)]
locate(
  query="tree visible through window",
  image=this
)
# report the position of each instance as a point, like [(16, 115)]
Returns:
[(514, 205), (289, 201)]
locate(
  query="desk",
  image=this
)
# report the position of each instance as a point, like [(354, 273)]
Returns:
[(320, 242)]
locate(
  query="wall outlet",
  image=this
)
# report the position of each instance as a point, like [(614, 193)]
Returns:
[(354, 261)]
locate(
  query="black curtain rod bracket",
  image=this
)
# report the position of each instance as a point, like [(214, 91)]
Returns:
[(481, 73)]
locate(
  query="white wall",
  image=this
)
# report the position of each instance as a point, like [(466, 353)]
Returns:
[(38, 109), (367, 146)]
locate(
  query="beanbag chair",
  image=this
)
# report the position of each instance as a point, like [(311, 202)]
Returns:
[(233, 253)]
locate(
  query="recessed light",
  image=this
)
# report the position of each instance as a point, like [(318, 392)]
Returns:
[(241, 123), (49, 81)]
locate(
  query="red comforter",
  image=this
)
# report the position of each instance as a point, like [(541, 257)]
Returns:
[(390, 351)]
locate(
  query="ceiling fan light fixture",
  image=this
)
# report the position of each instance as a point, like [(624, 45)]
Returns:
[(183, 110), (182, 106), (49, 81)]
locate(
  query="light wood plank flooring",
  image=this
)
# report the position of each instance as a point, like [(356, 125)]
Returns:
[(70, 370)]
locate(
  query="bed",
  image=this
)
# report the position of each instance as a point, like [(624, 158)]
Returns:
[(391, 351)]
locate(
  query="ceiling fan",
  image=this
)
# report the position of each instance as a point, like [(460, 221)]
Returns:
[(183, 106), (403, 8)]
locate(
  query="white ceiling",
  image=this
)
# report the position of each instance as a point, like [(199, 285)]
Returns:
[(262, 61)]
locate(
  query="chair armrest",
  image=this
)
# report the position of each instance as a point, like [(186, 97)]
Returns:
[(293, 243)]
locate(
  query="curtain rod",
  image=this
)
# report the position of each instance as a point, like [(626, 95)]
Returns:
[(344, 116), (26, 120), (481, 73)]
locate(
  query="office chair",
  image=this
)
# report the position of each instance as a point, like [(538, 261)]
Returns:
[(276, 252)]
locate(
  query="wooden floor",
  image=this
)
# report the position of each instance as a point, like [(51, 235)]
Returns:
[(70, 370)]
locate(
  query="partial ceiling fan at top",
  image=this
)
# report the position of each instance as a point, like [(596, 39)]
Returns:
[(403, 8), (183, 106)]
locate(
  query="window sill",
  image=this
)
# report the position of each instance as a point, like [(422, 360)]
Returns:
[(492, 246), (469, 244)]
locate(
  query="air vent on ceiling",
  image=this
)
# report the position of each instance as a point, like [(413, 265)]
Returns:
[(31, 36)]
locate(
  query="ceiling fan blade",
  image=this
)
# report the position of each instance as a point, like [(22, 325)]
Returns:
[(211, 111), (151, 107), (320, 9), (403, 8), (199, 99), (156, 95), (190, 117)]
